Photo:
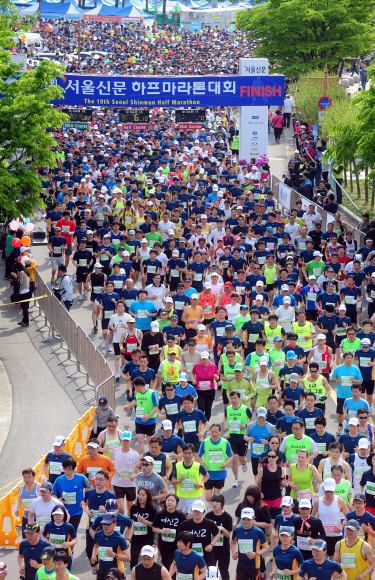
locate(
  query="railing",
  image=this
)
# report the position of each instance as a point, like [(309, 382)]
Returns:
[(78, 346), (76, 446), (286, 198)]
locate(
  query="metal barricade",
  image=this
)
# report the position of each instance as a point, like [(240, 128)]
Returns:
[(80, 349)]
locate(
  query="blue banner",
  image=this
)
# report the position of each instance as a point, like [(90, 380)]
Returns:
[(195, 27), (152, 91)]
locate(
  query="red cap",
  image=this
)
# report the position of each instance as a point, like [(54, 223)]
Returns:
[(219, 239), (237, 239), (228, 285)]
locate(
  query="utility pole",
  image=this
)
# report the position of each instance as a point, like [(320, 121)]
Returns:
[(79, 39), (325, 81)]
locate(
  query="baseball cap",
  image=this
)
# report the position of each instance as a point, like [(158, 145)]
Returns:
[(263, 360), (259, 283), (59, 440), (103, 401), (57, 229), (131, 320), (290, 354), (329, 484), (199, 506), (111, 505), (205, 354), (353, 525), (183, 377), (287, 299), (169, 299), (360, 496), (258, 297), (319, 545), (287, 530), (317, 254), (304, 503), (127, 435), (342, 307), (148, 551), (109, 518), (287, 501), (293, 377), (312, 277), (285, 288), (98, 265), (269, 229), (262, 412), (149, 459), (247, 513), (125, 253), (277, 338), (166, 424), (171, 232), (46, 485), (94, 443), (155, 326), (32, 528), (201, 327), (48, 553), (321, 337), (354, 421), (228, 285), (365, 342), (194, 296), (363, 443)]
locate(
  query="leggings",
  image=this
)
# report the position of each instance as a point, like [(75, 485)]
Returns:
[(254, 464), (277, 132), (25, 306), (167, 554), (222, 560), (205, 402)]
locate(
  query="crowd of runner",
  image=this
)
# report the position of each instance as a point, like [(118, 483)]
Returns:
[(202, 289)]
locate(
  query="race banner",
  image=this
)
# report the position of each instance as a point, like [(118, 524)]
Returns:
[(82, 90), (284, 195)]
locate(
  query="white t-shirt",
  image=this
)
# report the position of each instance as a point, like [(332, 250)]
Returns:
[(117, 321), (286, 317), (164, 227), (124, 464), (292, 230), (288, 105), (42, 510), (232, 311), (158, 291)]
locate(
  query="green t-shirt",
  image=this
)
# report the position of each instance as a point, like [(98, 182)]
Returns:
[(162, 324), (156, 237), (277, 357), (116, 247), (315, 268)]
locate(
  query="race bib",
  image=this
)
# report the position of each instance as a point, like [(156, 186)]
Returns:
[(245, 546), (175, 273), (140, 529), (92, 471), (189, 367), (311, 296), (158, 466), (55, 468), (317, 271), (129, 302), (258, 448), (309, 422), (198, 548), (26, 503), (281, 576), (102, 554), (204, 385), (95, 514), (65, 229), (350, 299), (189, 426), (108, 313), (370, 488), (56, 540), (82, 262), (118, 283), (303, 494), (151, 269), (293, 458), (253, 337), (363, 362), (220, 331), (234, 425), (329, 529), (347, 560), (321, 447), (303, 543), (43, 522), (57, 250), (346, 381), (188, 485), (124, 473), (170, 538), (171, 409), (215, 457), (97, 289), (153, 349), (139, 412), (197, 277), (69, 498), (179, 305), (142, 314)]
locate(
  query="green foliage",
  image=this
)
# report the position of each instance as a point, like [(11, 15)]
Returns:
[(307, 92), (302, 36), (25, 114)]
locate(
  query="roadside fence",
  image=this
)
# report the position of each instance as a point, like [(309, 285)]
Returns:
[(80, 350), (76, 446)]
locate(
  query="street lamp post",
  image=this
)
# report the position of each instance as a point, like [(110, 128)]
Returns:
[(170, 14)]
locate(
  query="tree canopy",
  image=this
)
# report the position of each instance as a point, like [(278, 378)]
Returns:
[(25, 116), (301, 36)]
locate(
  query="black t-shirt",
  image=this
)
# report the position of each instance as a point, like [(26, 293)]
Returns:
[(148, 341), (153, 573), (261, 515), (315, 530), (224, 520), (203, 532), (82, 255), (165, 519), (149, 514)]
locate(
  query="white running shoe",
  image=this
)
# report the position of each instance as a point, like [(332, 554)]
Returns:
[(80, 297), (109, 348), (235, 483), (104, 344), (86, 295), (244, 467)]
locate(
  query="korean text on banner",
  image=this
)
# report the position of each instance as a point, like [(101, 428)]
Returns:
[(284, 195), (172, 92)]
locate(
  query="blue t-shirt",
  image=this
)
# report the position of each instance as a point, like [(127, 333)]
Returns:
[(281, 520), (172, 407), (289, 559), (65, 529), (345, 391), (52, 457), (216, 475), (196, 416), (188, 390), (115, 542), (367, 519), (284, 426), (371, 336), (363, 357), (309, 417), (286, 371), (129, 296), (71, 491), (248, 540), (94, 499), (327, 323), (219, 329), (294, 394), (353, 406), (30, 552), (122, 523), (322, 443), (106, 300), (188, 564), (350, 297), (172, 444), (350, 442), (322, 571), (143, 322), (148, 375)]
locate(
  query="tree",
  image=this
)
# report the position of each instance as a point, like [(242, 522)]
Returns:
[(25, 116), (301, 36), (307, 91)]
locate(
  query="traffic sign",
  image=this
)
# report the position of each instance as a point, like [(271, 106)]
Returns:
[(324, 103)]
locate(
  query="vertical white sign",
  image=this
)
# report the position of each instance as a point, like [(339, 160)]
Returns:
[(253, 120)]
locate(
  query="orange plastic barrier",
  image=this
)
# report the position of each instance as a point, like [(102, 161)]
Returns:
[(76, 446)]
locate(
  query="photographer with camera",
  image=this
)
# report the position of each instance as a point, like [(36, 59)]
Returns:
[(65, 290)]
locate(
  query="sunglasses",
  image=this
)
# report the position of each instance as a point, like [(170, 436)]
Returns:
[(366, 417), (272, 456), (145, 464)]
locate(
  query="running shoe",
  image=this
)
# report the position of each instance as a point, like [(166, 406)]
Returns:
[(53, 281), (235, 483), (244, 467)]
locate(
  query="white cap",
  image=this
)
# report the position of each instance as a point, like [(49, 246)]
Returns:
[(175, 253), (312, 277), (205, 354), (169, 299), (171, 232), (144, 241), (201, 327), (321, 337), (304, 503), (342, 307), (329, 484), (207, 285), (317, 254), (215, 188), (166, 424), (259, 283), (59, 440), (354, 421), (263, 360), (287, 500), (365, 342), (248, 513), (363, 443), (199, 506), (155, 326), (183, 377), (284, 288), (258, 297), (148, 551), (125, 253), (287, 299), (194, 296), (98, 265)]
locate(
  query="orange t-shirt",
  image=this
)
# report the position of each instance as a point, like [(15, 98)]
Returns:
[(91, 465)]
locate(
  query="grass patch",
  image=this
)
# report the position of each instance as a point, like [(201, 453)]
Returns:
[(359, 201)]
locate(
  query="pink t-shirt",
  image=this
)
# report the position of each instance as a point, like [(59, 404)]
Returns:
[(205, 376)]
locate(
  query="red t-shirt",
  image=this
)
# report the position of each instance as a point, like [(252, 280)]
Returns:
[(67, 229)]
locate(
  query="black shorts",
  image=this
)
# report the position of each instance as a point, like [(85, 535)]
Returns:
[(105, 323), (136, 266), (339, 340), (145, 429), (217, 484), (116, 348), (173, 286), (269, 287), (128, 492), (332, 345), (93, 297), (247, 573), (208, 321), (352, 316), (81, 277), (340, 406), (331, 544), (225, 397), (368, 387), (311, 315), (238, 447)]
